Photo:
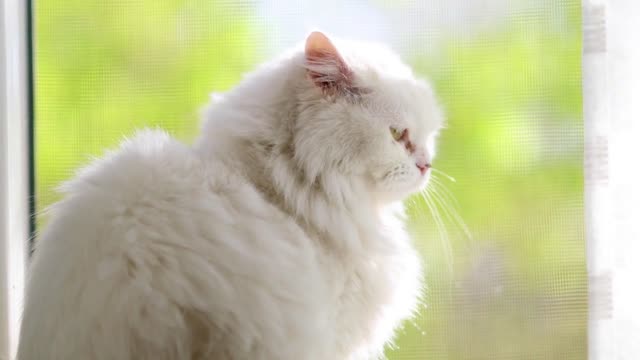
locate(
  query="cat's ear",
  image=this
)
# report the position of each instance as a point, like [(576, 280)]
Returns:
[(325, 67)]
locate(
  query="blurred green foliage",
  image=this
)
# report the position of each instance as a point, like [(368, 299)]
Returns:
[(106, 68), (515, 289)]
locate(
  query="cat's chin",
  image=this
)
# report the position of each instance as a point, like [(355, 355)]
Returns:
[(388, 196), (420, 185)]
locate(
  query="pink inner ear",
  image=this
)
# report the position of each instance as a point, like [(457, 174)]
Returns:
[(325, 66), (319, 44)]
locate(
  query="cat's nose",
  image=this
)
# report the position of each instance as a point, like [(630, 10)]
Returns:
[(423, 166)]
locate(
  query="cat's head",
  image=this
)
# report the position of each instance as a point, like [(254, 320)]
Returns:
[(362, 112)]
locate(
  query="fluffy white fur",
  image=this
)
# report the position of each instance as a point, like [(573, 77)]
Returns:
[(275, 236)]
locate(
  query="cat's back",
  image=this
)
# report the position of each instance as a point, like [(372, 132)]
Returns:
[(154, 253)]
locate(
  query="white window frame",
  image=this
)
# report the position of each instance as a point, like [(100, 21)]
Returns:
[(611, 88), (14, 168)]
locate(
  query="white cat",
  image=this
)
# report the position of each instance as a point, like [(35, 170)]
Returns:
[(276, 236)]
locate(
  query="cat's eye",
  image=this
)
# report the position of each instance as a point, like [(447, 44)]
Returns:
[(396, 134)]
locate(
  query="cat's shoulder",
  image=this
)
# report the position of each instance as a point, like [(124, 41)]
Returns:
[(150, 159)]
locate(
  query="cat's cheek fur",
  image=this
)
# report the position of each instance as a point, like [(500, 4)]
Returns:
[(397, 177)]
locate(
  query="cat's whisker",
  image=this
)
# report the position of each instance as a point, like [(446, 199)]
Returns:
[(437, 183), (449, 177), (449, 210), (448, 201), (440, 226)]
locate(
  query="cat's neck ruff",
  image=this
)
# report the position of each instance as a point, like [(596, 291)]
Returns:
[(334, 205)]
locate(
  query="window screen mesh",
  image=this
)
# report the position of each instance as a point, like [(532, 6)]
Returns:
[(505, 258)]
